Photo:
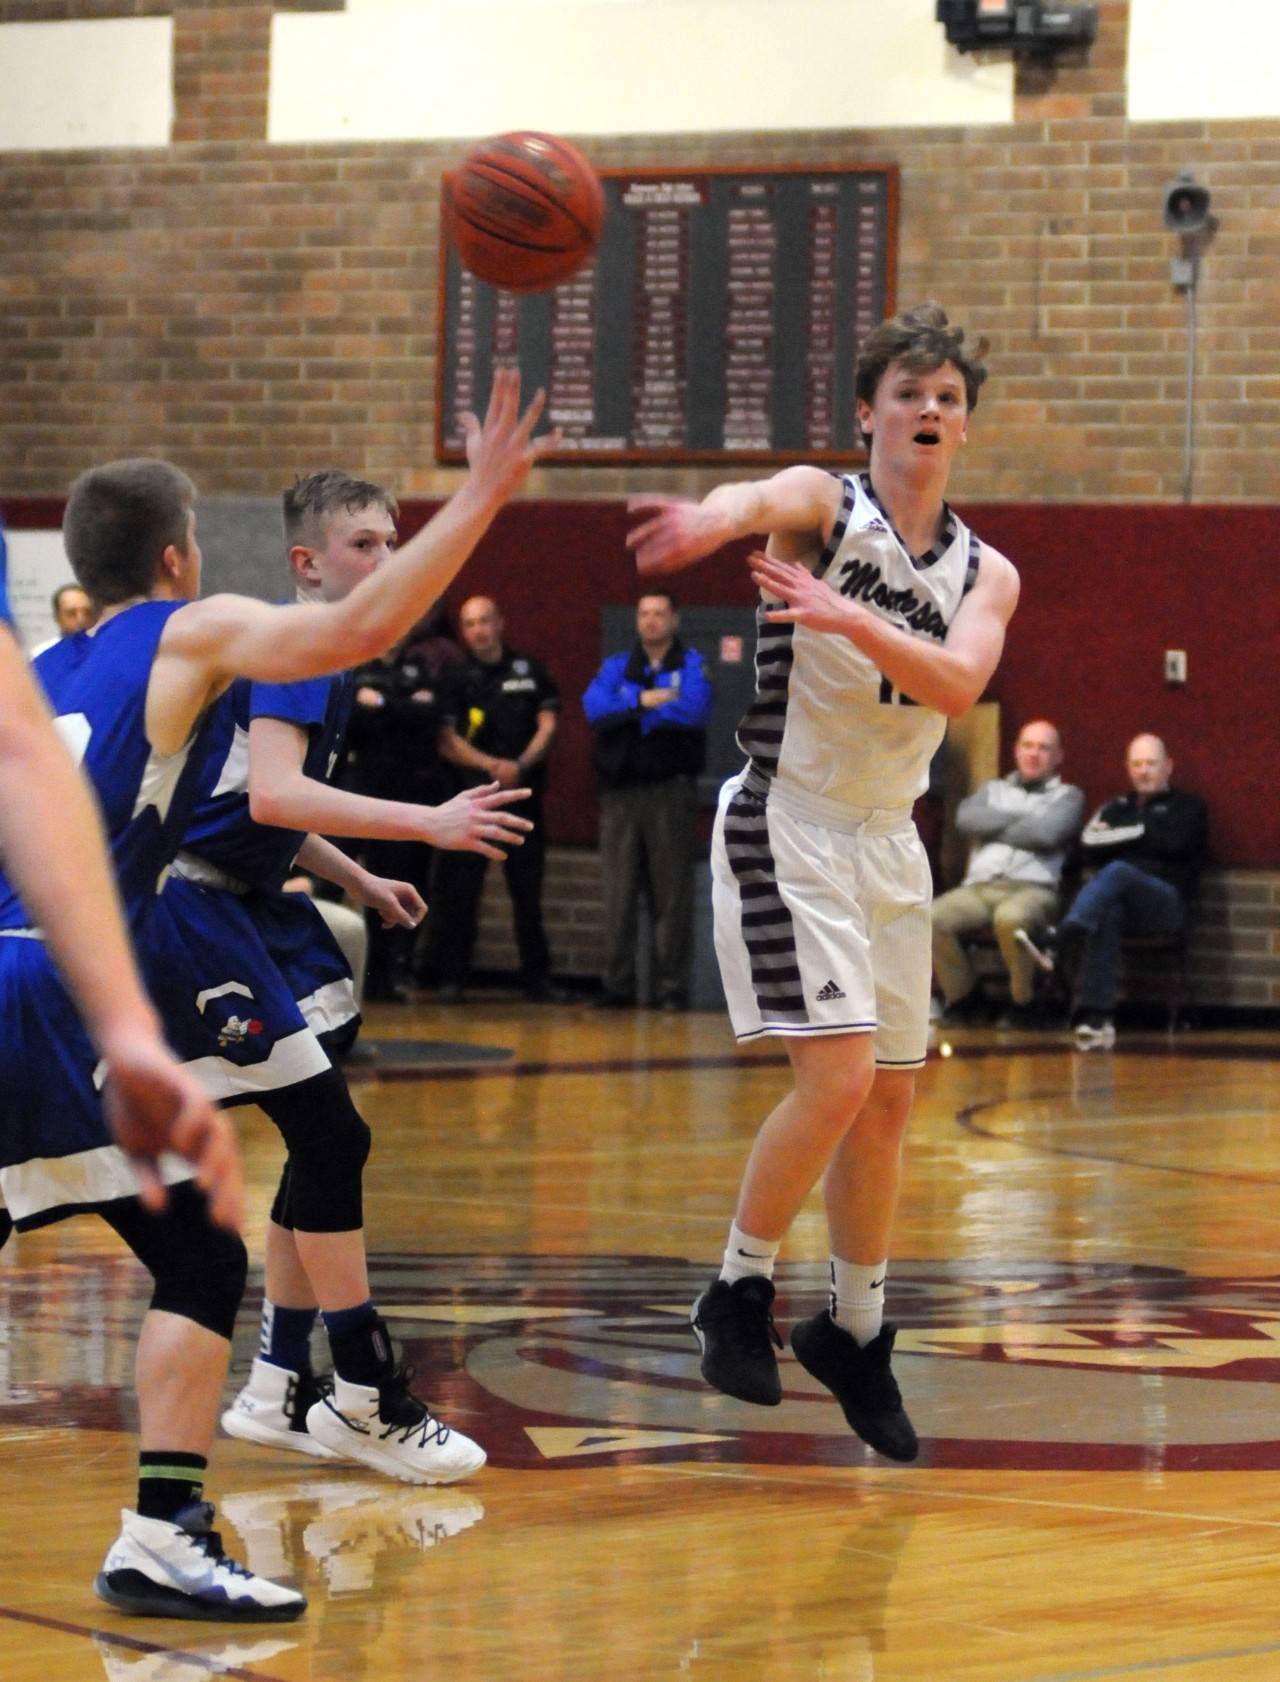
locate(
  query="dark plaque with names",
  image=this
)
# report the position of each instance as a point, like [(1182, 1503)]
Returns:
[(719, 319)]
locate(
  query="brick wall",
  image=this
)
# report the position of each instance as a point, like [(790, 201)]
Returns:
[(1235, 954), (251, 309), (573, 909), (1234, 962)]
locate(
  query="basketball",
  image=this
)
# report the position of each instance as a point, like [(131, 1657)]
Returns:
[(524, 210)]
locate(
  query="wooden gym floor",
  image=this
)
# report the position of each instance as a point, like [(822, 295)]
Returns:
[(1087, 1278)]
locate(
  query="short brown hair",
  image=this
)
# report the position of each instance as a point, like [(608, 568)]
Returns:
[(119, 520), (922, 339), (309, 502)]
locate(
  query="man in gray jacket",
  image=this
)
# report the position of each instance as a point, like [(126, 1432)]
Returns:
[(1022, 826)]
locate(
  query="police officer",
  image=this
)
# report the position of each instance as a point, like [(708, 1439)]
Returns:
[(393, 754), (499, 711)]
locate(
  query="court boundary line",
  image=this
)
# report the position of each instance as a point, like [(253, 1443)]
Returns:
[(1154, 1049), (135, 1644)]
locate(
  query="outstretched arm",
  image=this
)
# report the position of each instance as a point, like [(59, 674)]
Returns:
[(948, 676), (673, 532), (281, 793), (209, 642), (53, 846)]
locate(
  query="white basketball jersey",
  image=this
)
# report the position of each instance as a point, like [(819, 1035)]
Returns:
[(826, 728)]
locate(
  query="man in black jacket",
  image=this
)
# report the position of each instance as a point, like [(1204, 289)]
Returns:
[(1150, 845), (649, 708), (499, 710), (393, 754)]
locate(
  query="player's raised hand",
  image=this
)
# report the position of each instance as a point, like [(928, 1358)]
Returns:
[(502, 449), (804, 599), (476, 821), (154, 1105), (671, 533)]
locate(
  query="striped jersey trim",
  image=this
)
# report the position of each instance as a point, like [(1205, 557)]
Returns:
[(945, 539), (971, 565), (767, 927), (764, 723)]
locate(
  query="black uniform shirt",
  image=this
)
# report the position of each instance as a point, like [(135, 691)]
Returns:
[(495, 707)]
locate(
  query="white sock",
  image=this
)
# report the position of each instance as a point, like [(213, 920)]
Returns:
[(745, 1255), (857, 1298)]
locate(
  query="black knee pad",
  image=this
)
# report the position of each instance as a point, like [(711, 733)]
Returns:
[(198, 1268), (328, 1145)]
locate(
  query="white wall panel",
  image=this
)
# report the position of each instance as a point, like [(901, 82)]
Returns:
[(108, 82), (1189, 60), (434, 69)]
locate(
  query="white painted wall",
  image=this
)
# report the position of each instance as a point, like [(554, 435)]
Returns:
[(434, 69), (424, 69), (1189, 59), (108, 82), (38, 564)]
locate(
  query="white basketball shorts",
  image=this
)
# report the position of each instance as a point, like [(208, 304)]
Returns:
[(822, 930)]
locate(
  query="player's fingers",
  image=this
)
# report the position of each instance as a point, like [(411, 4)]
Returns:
[(500, 393), (532, 415), (151, 1190), (221, 1176), (640, 535)]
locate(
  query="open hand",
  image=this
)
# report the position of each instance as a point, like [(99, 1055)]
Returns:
[(672, 532), (804, 599), (475, 819), (501, 451)]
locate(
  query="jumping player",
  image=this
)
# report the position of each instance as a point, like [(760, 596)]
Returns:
[(881, 616), (255, 995), (131, 699)]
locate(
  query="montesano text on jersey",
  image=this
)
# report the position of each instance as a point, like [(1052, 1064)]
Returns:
[(826, 728)]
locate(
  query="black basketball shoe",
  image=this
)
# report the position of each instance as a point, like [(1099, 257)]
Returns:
[(860, 1380), (734, 1325)]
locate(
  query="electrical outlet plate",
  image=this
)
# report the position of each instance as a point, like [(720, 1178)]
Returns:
[(1175, 665)]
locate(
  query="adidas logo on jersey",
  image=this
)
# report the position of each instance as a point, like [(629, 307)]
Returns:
[(830, 991)]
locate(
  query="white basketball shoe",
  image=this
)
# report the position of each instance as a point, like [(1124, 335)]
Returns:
[(386, 1426), (158, 1569), (272, 1409)]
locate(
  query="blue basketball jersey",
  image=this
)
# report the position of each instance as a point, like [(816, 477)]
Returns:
[(97, 686), (222, 832), (56, 1155)]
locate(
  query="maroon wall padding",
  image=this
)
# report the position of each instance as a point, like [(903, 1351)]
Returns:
[(1105, 590)]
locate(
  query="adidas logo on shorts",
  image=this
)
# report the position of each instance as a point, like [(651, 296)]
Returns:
[(830, 991)]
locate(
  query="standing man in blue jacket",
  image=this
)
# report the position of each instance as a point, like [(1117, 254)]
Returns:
[(649, 709)]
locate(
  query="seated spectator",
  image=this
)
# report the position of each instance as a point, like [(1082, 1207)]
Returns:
[(1023, 826), (1147, 849), (649, 707)]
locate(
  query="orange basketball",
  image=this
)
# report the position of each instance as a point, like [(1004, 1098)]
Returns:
[(524, 210)]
